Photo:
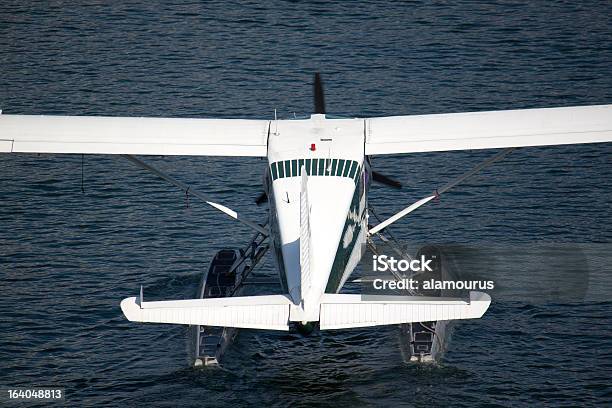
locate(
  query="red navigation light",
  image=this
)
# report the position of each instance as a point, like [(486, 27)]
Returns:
[(313, 147)]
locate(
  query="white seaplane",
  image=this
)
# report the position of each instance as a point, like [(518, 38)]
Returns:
[(317, 181)]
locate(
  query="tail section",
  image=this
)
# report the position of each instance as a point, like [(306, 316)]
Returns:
[(275, 312)]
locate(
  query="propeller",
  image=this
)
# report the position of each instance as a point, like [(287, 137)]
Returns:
[(387, 181), (319, 97), (376, 176), (263, 198), (319, 108)]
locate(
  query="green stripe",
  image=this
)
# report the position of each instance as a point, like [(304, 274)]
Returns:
[(353, 170), (281, 169), (347, 167), (340, 167), (334, 166), (287, 168), (316, 167), (294, 168)]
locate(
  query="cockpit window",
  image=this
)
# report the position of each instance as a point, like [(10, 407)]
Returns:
[(315, 167), (287, 168)]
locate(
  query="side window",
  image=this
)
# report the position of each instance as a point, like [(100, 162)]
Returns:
[(281, 169), (334, 166), (353, 170), (340, 167), (347, 168), (294, 168), (316, 167), (287, 168)]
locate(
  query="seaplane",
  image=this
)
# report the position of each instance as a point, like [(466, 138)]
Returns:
[(316, 183)]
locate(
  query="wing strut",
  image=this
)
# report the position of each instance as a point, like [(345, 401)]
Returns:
[(441, 190), (188, 190)]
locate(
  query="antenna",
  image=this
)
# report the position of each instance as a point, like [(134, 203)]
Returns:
[(275, 123)]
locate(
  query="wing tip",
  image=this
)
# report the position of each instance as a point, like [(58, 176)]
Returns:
[(130, 308), (481, 302)]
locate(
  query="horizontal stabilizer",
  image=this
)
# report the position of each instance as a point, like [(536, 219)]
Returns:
[(250, 312), (339, 311), (273, 312)]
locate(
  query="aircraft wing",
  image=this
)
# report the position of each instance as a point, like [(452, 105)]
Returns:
[(487, 130), (132, 135)]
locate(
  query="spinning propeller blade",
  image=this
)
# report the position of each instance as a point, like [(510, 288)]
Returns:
[(319, 108), (382, 179), (262, 198), (319, 98)]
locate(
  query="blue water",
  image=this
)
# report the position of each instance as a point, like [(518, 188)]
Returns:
[(68, 258)]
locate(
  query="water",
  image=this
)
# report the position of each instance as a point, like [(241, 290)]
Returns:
[(67, 258)]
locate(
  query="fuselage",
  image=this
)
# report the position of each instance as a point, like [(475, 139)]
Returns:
[(331, 151)]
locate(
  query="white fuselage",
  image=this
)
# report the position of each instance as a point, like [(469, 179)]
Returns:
[(332, 153)]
